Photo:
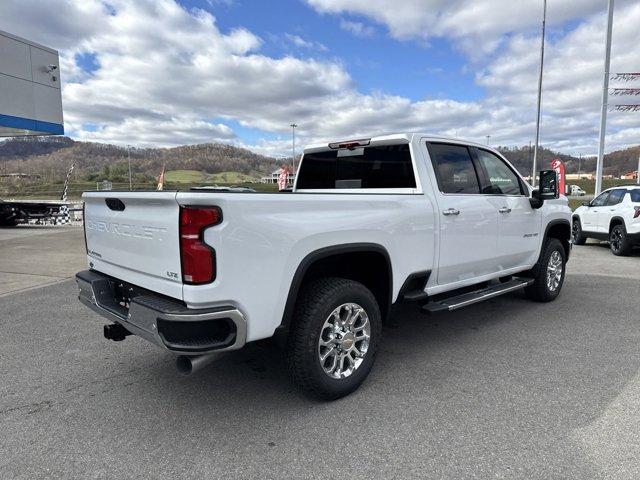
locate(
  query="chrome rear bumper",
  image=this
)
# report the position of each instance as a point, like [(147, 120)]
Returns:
[(161, 320)]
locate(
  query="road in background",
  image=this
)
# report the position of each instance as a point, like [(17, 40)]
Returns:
[(506, 389)]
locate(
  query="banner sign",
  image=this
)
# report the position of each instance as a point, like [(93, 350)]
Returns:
[(558, 166)]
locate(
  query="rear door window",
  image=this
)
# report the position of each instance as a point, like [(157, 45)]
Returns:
[(635, 195), (387, 166), (455, 171), (616, 196)]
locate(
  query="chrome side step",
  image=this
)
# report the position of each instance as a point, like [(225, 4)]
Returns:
[(459, 301)]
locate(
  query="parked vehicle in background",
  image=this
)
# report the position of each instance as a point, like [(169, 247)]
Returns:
[(369, 224), (576, 191), (614, 215)]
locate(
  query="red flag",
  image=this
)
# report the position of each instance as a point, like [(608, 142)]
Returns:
[(283, 178)]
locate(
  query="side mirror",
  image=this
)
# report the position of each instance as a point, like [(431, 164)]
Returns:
[(586, 204), (535, 201), (548, 185)]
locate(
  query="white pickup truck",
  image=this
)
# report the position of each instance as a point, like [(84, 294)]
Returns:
[(368, 224)]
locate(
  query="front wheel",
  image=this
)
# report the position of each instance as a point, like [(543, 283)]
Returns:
[(577, 236), (549, 273), (334, 338)]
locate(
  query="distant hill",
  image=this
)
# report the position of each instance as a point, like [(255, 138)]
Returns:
[(50, 156), (615, 163)]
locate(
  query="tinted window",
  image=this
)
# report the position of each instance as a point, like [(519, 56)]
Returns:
[(635, 195), (386, 166), (616, 196), (501, 179), (600, 200), (454, 168)]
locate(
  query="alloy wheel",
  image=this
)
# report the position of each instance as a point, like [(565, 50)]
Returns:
[(554, 271), (615, 239), (344, 340)]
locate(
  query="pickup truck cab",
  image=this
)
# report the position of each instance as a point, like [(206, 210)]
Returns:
[(369, 223)]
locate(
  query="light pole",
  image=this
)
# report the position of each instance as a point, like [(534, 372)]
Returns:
[(579, 163), (535, 148), (488, 138), (129, 158), (293, 146), (605, 96)]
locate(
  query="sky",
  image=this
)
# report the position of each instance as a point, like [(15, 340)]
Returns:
[(173, 72)]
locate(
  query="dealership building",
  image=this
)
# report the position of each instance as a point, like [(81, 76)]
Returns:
[(30, 95)]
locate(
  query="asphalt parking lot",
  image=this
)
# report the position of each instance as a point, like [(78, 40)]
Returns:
[(505, 389)]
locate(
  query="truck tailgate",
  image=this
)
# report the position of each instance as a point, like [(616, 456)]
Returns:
[(134, 236)]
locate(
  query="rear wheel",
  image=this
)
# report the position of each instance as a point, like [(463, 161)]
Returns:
[(619, 241), (577, 235), (336, 331), (549, 273)]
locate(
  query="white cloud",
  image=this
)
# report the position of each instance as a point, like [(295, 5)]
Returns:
[(477, 26), (300, 42), (358, 29), (168, 75), (144, 132)]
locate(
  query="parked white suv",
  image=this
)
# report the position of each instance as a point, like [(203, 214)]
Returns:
[(369, 224), (614, 215)]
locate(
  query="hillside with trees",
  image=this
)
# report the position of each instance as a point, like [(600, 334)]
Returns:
[(49, 157)]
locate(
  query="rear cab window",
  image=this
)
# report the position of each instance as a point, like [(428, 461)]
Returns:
[(635, 195), (375, 167)]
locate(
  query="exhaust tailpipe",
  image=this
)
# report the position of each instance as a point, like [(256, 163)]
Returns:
[(187, 364)]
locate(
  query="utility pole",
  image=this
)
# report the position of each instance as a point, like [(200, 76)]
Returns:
[(535, 148), (293, 146), (129, 157), (605, 96)]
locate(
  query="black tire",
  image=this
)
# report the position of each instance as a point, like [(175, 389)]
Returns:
[(577, 235), (8, 223), (540, 291), (619, 241), (318, 299)]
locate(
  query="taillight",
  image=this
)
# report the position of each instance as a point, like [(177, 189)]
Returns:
[(198, 259), (637, 212)]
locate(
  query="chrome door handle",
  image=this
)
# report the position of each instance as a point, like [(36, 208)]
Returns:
[(451, 211), (505, 210)]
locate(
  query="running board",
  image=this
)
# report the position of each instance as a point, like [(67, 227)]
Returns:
[(459, 301)]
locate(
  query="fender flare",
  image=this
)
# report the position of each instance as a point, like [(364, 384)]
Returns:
[(552, 223), (616, 219), (282, 330)]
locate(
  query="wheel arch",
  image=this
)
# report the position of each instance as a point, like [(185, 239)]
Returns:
[(355, 261), (561, 230), (617, 220)]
